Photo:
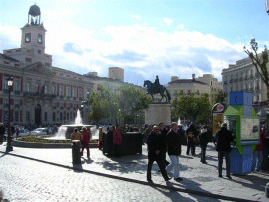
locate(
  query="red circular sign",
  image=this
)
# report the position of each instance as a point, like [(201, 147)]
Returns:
[(220, 107)]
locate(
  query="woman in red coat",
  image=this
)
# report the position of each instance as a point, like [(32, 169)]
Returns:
[(117, 141), (86, 137)]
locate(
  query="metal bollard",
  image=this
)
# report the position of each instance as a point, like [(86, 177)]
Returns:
[(267, 190), (76, 152)]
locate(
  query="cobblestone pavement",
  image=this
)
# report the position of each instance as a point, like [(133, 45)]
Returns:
[(199, 178), (27, 180)]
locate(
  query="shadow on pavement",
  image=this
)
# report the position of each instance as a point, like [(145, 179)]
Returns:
[(252, 180)]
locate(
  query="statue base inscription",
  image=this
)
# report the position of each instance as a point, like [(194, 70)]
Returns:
[(157, 113)]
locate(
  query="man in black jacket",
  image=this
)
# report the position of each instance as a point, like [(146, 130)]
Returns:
[(162, 134), (154, 150), (224, 138), (174, 150)]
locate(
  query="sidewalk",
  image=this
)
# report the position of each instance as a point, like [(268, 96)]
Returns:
[(201, 179)]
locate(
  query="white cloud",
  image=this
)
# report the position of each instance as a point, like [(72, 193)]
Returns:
[(168, 21), (142, 48), (181, 26), (138, 17)]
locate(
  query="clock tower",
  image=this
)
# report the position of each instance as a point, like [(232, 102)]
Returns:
[(32, 41)]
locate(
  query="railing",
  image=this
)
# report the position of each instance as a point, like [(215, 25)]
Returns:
[(257, 88), (31, 94), (61, 107), (61, 97), (6, 91), (235, 80), (17, 106), (54, 107), (74, 98), (68, 97), (240, 79), (231, 81), (17, 92), (225, 82)]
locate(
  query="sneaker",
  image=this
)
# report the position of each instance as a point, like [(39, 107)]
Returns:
[(179, 179), (229, 177)]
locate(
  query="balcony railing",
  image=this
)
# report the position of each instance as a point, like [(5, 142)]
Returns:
[(225, 82), (240, 79), (257, 88), (6, 91), (61, 107), (235, 80), (17, 92), (231, 81), (74, 98), (54, 107), (17, 106), (68, 97), (31, 94)]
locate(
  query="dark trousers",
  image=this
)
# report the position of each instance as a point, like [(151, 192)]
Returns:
[(87, 148), (190, 145), (160, 163), (1, 138), (117, 151), (203, 151), (227, 156), (163, 158)]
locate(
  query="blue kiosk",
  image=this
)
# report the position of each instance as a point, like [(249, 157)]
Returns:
[(244, 122)]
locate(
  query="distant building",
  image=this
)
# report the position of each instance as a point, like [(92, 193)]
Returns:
[(42, 94), (199, 86), (243, 76), (116, 73)]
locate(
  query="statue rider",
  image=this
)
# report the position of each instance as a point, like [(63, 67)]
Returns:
[(157, 83)]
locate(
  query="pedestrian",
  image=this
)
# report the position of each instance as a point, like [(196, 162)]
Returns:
[(191, 134), (17, 132), (86, 137), (147, 130), (12, 130), (110, 141), (154, 150), (174, 150), (76, 135), (258, 152), (101, 137), (162, 133), (223, 140), (2, 132), (203, 139), (117, 142)]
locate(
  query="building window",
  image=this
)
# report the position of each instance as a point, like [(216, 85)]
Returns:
[(54, 90), (16, 116), (53, 116), (28, 116), (39, 51), (61, 116), (61, 90), (74, 93), (67, 116), (28, 60), (68, 92), (28, 87), (46, 116)]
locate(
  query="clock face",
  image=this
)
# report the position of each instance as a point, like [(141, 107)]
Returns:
[(39, 38), (27, 37)]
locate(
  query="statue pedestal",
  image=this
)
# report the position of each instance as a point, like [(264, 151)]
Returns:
[(157, 113)]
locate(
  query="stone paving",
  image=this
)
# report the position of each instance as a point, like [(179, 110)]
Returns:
[(201, 179)]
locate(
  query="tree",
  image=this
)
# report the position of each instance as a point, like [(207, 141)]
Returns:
[(259, 60), (99, 106), (220, 97), (196, 109), (132, 101)]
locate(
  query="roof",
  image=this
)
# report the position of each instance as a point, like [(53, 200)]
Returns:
[(185, 81), (34, 10), (3, 56)]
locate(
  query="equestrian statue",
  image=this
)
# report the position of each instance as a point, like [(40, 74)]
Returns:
[(156, 88)]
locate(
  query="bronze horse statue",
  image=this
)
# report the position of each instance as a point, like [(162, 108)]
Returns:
[(152, 90)]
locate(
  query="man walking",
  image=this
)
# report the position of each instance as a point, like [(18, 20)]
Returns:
[(223, 138), (2, 132), (154, 150), (174, 150)]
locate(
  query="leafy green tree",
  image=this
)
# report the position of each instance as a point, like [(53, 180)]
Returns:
[(99, 106), (132, 101), (195, 109), (220, 97)]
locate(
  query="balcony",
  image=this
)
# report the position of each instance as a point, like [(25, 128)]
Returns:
[(6, 105), (240, 79), (251, 89), (61, 97), (225, 82), (235, 80), (231, 81), (6, 91), (74, 98), (61, 108), (68, 97), (17, 92), (257, 88), (16, 106), (53, 107), (74, 108), (246, 77), (43, 95)]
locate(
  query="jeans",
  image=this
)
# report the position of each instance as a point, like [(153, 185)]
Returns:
[(174, 164), (203, 151), (227, 156), (257, 160)]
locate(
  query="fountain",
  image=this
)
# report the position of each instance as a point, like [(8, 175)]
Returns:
[(65, 131)]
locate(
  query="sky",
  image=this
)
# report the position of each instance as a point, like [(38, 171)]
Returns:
[(144, 37)]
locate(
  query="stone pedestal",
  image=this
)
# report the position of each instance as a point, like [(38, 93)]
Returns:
[(157, 113)]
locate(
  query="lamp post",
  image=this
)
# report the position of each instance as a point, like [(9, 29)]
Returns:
[(9, 84)]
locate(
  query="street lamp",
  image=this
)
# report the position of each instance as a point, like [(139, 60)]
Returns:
[(9, 84)]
